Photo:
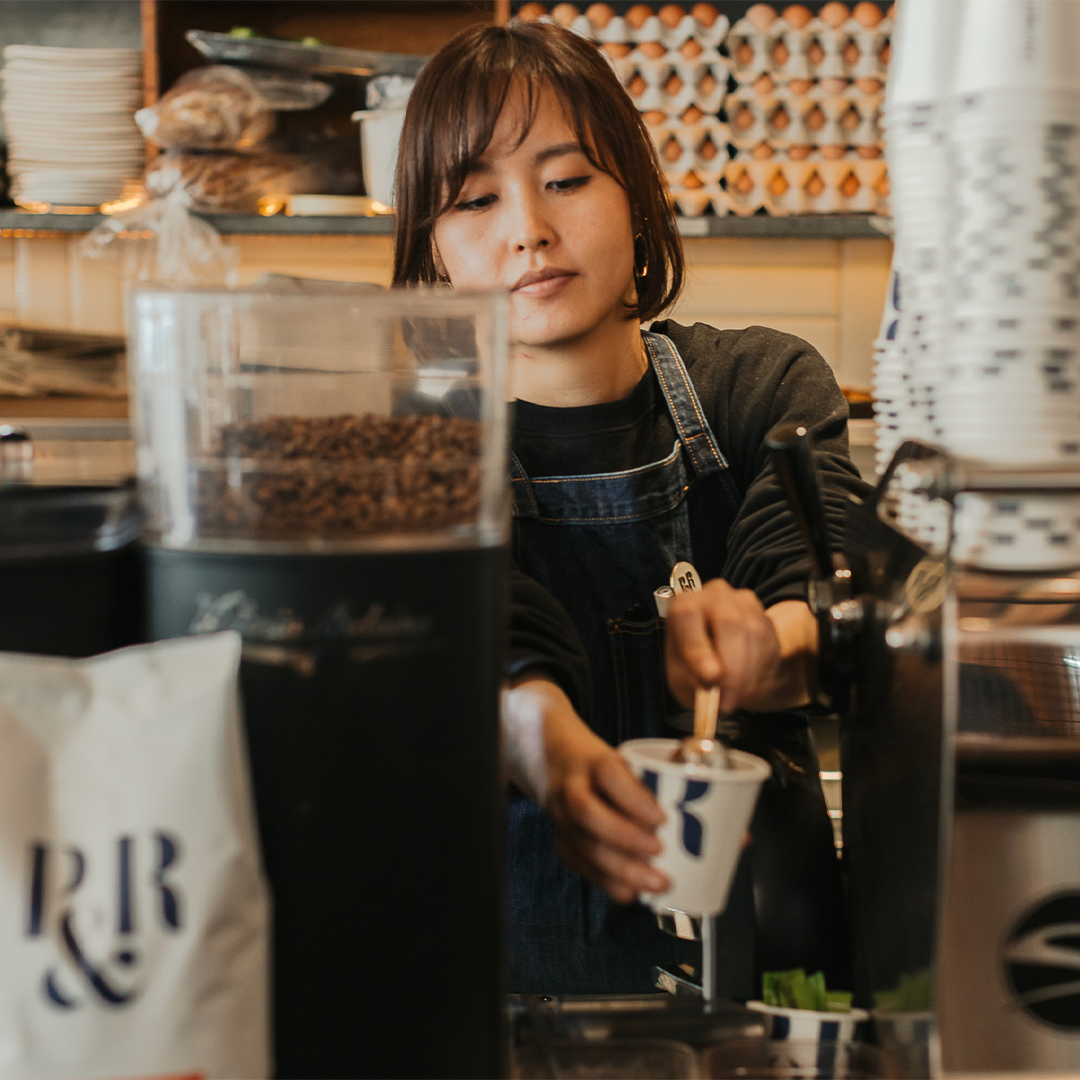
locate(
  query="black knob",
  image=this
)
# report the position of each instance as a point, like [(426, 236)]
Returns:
[(790, 446)]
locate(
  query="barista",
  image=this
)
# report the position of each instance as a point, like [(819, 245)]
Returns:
[(524, 166)]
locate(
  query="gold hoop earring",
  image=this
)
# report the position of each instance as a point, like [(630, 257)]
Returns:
[(643, 272)]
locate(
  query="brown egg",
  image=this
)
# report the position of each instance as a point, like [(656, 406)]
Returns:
[(851, 119), (564, 14), (691, 48), (833, 87), (637, 15), (851, 54), (814, 186), (673, 85), (744, 185), (780, 119), (801, 86), (868, 152), (671, 15), (692, 115), (707, 84), (780, 54), (654, 117), (764, 85), (708, 150), (617, 49), (886, 52), (531, 12), (799, 153), (834, 14), (761, 16), (815, 119), (744, 119), (867, 13), (744, 54), (763, 151), (778, 185), (850, 186), (797, 15), (882, 187), (637, 86), (692, 181), (652, 49), (815, 53), (870, 86), (705, 14), (599, 15), (672, 150), (832, 153)]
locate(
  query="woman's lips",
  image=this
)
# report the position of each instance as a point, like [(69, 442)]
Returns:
[(540, 283)]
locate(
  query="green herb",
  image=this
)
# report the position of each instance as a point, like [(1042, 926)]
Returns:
[(797, 990), (914, 993)]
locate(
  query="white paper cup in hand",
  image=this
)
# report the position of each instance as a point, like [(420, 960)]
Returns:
[(708, 811)]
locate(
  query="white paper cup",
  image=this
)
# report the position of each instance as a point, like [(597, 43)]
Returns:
[(380, 133), (708, 811)]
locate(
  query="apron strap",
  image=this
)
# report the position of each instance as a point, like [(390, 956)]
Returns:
[(521, 491), (685, 408)]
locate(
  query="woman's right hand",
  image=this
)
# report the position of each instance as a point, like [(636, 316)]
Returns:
[(605, 818)]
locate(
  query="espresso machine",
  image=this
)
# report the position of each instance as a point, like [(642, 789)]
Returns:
[(324, 472), (959, 698)]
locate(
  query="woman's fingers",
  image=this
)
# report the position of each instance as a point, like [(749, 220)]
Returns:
[(626, 792), (688, 627), (586, 812), (619, 875)]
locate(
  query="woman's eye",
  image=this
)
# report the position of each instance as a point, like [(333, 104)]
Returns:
[(570, 184), (475, 204)]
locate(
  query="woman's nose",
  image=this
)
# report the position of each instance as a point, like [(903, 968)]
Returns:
[(533, 231)]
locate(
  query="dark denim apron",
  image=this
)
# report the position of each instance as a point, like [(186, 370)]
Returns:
[(601, 544)]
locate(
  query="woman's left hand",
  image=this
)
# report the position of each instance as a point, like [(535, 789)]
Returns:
[(761, 659)]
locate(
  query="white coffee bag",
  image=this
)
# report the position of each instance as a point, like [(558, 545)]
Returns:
[(134, 915)]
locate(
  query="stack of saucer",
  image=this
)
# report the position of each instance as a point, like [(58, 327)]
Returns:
[(72, 139)]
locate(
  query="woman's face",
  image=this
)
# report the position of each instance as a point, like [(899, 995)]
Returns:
[(540, 220)]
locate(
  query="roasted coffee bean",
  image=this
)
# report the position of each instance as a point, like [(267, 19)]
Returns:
[(293, 476)]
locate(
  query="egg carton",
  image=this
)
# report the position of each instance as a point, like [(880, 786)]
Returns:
[(747, 113), (747, 181), (825, 50), (866, 49), (748, 48), (787, 46), (699, 148), (671, 82), (697, 200)]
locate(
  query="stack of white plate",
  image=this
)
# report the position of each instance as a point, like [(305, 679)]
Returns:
[(72, 139)]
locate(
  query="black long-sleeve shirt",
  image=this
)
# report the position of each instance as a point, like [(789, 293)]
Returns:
[(747, 381)]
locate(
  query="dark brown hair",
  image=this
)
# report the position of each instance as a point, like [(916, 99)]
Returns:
[(451, 118)]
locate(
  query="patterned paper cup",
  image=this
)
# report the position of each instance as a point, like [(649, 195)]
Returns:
[(708, 811)]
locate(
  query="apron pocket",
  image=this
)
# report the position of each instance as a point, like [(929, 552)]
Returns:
[(641, 699)]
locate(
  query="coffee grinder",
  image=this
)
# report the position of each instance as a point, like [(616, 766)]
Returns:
[(325, 472)]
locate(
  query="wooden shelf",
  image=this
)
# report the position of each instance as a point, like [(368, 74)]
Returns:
[(16, 223)]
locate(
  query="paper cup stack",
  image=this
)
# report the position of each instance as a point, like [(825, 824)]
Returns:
[(1011, 392), (909, 364), (72, 139)]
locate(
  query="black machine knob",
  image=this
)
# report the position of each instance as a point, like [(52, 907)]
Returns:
[(790, 446)]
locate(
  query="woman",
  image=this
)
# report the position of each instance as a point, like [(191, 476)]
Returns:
[(524, 166)]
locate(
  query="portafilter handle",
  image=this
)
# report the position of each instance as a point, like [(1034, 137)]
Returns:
[(790, 446)]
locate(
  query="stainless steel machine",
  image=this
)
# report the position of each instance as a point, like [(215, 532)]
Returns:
[(960, 700)]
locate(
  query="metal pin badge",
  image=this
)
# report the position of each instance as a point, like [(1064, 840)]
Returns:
[(684, 578)]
